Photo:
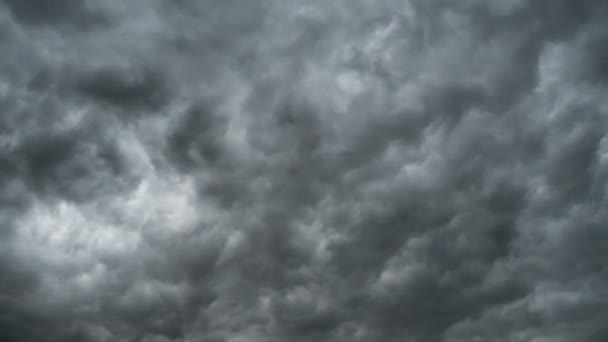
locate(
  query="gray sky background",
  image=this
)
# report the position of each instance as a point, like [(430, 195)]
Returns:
[(282, 170)]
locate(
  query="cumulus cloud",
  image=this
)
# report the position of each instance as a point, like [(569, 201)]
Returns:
[(297, 171)]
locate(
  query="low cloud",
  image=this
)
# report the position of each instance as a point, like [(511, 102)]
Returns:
[(281, 171)]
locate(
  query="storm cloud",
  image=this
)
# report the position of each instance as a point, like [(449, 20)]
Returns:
[(231, 171)]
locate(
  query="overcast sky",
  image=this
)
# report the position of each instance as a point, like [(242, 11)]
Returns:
[(294, 171)]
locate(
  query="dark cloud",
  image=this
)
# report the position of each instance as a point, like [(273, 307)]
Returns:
[(74, 13), (125, 87), (280, 171)]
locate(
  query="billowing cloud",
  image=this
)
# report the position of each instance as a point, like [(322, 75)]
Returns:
[(303, 171)]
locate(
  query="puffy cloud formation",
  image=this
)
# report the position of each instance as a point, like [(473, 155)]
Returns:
[(282, 170)]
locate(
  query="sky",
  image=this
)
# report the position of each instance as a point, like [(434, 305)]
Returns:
[(294, 171)]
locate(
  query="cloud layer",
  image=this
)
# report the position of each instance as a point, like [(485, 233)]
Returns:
[(219, 170)]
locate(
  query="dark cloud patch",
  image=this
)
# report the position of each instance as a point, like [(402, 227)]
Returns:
[(304, 320), (69, 164), (18, 280), (74, 13), (128, 88), (592, 67), (197, 137)]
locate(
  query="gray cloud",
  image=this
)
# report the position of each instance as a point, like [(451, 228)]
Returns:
[(75, 13), (287, 171)]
